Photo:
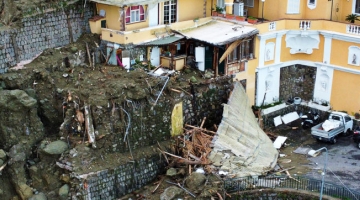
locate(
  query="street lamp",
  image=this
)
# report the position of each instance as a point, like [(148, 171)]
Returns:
[(262, 11), (314, 152)]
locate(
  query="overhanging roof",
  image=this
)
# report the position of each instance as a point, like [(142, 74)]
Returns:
[(162, 41), (122, 3), (219, 32)]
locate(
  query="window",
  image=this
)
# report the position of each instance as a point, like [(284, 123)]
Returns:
[(311, 4), (220, 3), (242, 52), (169, 12), (356, 6), (249, 3), (293, 7), (135, 14)]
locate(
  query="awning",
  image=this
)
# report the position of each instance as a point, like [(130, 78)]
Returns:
[(121, 3), (162, 41), (219, 32)]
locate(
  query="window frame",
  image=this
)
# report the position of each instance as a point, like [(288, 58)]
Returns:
[(139, 14), (242, 51), (170, 5), (356, 2), (249, 3), (291, 5)]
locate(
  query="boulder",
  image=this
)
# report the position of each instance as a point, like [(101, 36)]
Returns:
[(2, 154), (171, 192), (195, 180), (24, 191), (39, 196), (17, 153), (56, 148), (64, 191)]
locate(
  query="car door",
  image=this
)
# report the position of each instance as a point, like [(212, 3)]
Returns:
[(348, 123)]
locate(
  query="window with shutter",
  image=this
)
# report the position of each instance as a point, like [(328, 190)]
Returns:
[(134, 14), (293, 7)]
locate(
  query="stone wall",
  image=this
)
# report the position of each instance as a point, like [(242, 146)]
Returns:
[(111, 184), (149, 124), (297, 81), (268, 119), (37, 33)]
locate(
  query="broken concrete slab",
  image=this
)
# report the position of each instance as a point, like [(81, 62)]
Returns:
[(239, 135)]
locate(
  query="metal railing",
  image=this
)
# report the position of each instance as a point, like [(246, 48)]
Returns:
[(298, 183)]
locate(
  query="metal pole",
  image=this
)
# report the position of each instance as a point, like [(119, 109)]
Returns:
[(323, 173), (332, 4), (262, 12)]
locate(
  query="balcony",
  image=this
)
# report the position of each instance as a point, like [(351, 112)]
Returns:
[(142, 35)]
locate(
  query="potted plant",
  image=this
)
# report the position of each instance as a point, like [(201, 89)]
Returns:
[(220, 11), (252, 20), (230, 16), (240, 18), (214, 12), (351, 18), (357, 115), (196, 19)]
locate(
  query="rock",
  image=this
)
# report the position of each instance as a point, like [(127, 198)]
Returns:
[(195, 180), (16, 153), (65, 178), (55, 148), (171, 192), (24, 191), (171, 172), (64, 191), (39, 196), (2, 154)]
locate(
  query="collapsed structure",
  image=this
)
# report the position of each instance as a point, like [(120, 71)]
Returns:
[(240, 147)]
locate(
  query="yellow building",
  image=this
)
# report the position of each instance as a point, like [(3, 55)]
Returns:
[(297, 48)]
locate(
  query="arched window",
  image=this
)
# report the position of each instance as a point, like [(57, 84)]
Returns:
[(135, 14)]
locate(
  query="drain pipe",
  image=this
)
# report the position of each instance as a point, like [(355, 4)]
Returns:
[(332, 5)]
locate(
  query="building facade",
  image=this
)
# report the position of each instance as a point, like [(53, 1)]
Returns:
[(303, 48)]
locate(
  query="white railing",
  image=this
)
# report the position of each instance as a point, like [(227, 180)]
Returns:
[(353, 29), (304, 25), (272, 26)]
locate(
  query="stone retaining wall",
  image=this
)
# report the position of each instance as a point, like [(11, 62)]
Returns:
[(149, 125), (110, 184), (37, 33)]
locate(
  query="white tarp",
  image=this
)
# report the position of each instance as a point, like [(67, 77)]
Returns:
[(240, 146), (328, 125)]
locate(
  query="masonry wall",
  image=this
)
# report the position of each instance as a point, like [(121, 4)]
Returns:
[(149, 125), (37, 33), (297, 81)]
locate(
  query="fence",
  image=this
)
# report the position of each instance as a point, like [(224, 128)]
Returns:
[(298, 183)]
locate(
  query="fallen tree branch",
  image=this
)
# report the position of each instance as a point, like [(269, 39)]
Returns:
[(161, 180), (202, 129), (178, 184)]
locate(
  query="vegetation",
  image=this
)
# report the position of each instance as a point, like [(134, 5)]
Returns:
[(219, 9), (251, 17), (352, 18)]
